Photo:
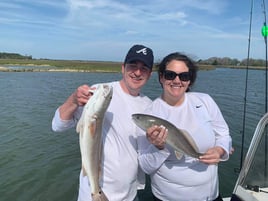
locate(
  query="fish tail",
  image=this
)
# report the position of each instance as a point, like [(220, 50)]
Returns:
[(99, 197)]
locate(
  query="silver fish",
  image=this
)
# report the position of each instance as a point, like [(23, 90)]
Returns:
[(180, 140), (90, 139)]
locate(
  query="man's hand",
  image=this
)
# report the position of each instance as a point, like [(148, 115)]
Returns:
[(82, 95)]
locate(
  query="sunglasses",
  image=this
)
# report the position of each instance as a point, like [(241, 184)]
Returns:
[(171, 75)]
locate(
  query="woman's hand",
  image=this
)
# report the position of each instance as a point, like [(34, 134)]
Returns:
[(157, 135), (212, 156)]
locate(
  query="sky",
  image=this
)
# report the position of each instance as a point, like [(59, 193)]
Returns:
[(104, 30)]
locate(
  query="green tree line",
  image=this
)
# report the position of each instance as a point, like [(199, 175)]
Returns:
[(5, 55), (226, 61), (216, 61)]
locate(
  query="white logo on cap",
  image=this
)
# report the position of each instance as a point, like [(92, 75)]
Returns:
[(143, 51)]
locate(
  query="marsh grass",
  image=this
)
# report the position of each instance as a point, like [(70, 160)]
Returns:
[(66, 65)]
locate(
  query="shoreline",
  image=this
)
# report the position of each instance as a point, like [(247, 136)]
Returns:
[(5, 69), (96, 69)]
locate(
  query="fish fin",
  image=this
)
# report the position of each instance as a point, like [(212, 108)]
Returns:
[(179, 155), (92, 127), (79, 126), (84, 173), (100, 196)]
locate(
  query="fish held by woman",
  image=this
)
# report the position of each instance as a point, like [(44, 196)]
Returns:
[(180, 140), (89, 128)]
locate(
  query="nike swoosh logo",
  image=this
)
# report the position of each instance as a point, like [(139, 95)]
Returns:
[(198, 106)]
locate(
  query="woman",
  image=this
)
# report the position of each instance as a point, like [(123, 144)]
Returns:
[(185, 178)]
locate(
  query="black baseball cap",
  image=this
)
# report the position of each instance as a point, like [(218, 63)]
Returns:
[(140, 53)]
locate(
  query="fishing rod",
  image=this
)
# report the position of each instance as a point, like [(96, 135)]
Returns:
[(264, 34), (245, 93)]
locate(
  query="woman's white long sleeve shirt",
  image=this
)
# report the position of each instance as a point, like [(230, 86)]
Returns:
[(186, 179)]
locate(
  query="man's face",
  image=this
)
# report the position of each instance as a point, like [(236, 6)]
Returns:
[(135, 76)]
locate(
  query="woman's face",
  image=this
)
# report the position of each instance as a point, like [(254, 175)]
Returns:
[(175, 85)]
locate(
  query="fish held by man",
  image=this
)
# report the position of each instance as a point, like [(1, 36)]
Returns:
[(180, 140), (89, 128)]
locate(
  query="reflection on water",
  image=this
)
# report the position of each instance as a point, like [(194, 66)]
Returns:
[(37, 164)]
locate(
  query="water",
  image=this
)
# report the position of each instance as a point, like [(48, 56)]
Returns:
[(37, 164)]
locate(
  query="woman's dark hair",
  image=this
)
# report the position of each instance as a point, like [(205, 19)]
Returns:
[(193, 68)]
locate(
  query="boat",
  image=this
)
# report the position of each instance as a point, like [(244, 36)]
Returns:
[(252, 182)]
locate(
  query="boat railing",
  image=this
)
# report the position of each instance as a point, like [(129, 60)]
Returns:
[(242, 190)]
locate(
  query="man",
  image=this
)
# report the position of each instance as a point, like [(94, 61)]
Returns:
[(120, 163)]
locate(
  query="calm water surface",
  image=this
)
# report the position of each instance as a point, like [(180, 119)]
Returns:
[(38, 165)]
